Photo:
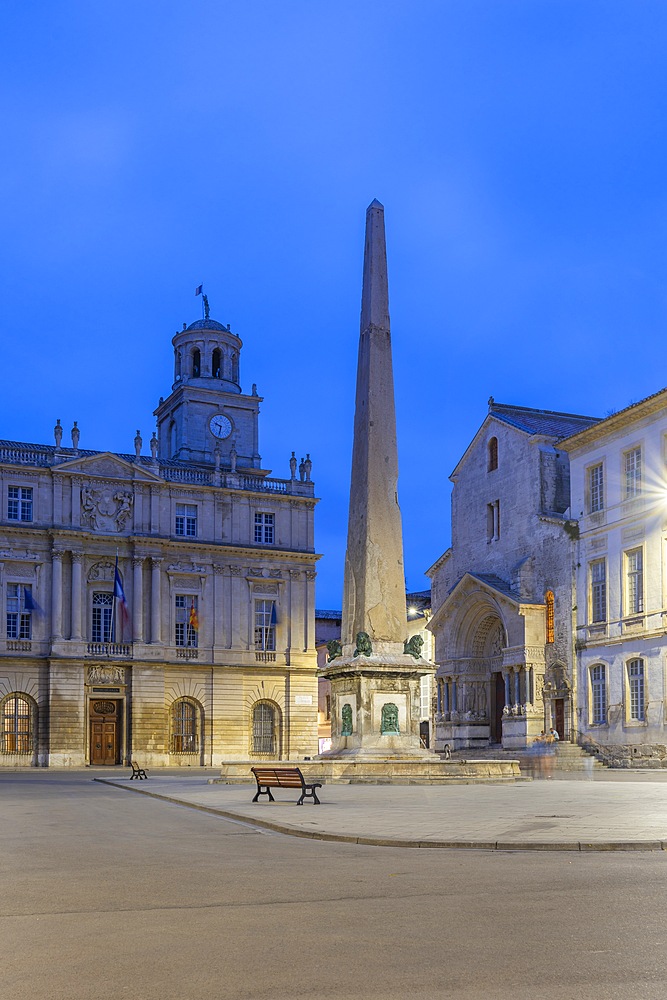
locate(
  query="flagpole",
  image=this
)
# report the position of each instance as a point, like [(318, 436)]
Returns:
[(113, 602)]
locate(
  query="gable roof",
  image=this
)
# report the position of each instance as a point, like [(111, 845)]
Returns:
[(543, 423), (550, 423)]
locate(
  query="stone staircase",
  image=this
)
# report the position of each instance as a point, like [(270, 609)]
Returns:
[(567, 757)]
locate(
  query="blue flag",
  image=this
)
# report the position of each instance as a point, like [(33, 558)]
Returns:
[(29, 604)]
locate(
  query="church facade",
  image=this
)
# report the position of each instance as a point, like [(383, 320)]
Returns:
[(502, 594), (160, 607)]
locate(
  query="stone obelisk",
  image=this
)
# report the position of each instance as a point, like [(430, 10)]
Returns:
[(374, 677)]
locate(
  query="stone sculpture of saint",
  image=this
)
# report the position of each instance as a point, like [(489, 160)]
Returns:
[(137, 444), (346, 720), (75, 436), (58, 433)]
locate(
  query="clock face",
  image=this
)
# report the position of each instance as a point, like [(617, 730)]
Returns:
[(221, 426)]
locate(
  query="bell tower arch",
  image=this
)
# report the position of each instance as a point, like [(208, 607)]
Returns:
[(206, 417)]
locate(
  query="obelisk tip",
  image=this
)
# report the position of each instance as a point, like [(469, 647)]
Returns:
[(375, 204)]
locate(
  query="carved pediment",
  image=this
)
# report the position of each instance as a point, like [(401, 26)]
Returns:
[(108, 466)]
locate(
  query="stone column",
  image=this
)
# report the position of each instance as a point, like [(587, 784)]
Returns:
[(508, 691), (156, 615), (517, 687), (218, 585), (57, 594), (77, 559), (138, 599)]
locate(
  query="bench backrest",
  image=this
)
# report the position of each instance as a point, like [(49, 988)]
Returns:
[(278, 777)]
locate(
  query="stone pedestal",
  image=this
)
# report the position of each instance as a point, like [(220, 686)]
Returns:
[(375, 704), (519, 731)]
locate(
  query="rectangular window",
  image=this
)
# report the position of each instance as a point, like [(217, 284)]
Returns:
[(598, 695), (599, 591), (636, 690), (265, 625), (596, 489), (264, 529), (102, 617), (19, 503), (19, 620), (186, 519), (634, 569), (187, 621), (633, 473)]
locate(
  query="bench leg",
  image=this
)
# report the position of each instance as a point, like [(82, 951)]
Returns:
[(310, 793), (265, 791)]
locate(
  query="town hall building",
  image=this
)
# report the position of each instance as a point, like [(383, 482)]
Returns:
[(160, 606)]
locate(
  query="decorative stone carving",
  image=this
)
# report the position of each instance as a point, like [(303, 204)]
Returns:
[(75, 436), (265, 588), (310, 574), (186, 567), (389, 720), (77, 557), (154, 446), (106, 675), (218, 570), (103, 570), (103, 509), (137, 444), (292, 466), (235, 570), (58, 434), (334, 649), (364, 646), (413, 646), (346, 720)]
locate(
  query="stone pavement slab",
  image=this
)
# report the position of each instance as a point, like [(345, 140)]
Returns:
[(569, 815)]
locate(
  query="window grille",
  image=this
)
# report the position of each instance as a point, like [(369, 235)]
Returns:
[(102, 617), (263, 729), (599, 694), (596, 489), (17, 725), (599, 591), (184, 728), (186, 633), (186, 519), (633, 473), (264, 529), (19, 619), (636, 690), (635, 581), (19, 503), (265, 625)]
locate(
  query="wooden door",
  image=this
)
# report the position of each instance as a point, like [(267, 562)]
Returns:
[(105, 733), (559, 717), (497, 706)]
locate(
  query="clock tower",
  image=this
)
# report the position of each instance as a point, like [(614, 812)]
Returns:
[(206, 410)]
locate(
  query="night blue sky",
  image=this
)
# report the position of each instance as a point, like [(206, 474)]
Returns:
[(518, 148)]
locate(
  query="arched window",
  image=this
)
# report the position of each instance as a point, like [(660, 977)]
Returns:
[(216, 368), (177, 364), (196, 363), (492, 454), (263, 728), (18, 724), (549, 602), (598, 694), (185, 729), (235, 367)]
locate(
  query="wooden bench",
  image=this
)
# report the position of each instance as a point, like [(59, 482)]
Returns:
[(284, 777), (137, 772)]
